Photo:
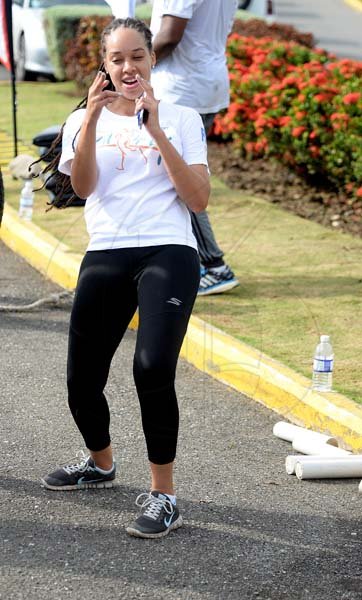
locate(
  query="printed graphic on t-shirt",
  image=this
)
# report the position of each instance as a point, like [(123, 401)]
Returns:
[(135, 203), (129, 140)]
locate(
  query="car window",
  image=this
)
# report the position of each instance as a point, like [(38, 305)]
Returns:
[(48, 3)]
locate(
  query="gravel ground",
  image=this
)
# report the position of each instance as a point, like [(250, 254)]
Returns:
[(250, 530)]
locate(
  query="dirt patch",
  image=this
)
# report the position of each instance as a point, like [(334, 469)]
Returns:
[(278, 184)]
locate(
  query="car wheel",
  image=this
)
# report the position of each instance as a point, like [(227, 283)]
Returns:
[(20, 71), (243, 4)]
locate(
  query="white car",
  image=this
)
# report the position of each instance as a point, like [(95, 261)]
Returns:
[(29, 41)]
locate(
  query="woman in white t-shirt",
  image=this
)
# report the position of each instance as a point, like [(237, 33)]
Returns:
[(141, 164)]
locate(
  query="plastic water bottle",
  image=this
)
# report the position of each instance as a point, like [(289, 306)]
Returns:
[(26, 201), (323, 365)]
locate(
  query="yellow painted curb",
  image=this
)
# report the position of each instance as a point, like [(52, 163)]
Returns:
[(210, 350), (267, 381), (40, 249), (356, 4)]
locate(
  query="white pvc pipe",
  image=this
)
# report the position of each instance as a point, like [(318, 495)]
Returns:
[(360, 488), (307, 444), (287, 431), (292, 460), (338, 468)]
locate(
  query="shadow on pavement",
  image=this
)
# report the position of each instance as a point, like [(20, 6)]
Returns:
[(247, 544)]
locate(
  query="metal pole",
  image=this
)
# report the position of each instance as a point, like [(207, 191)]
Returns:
[(9, 23), (15, 105)]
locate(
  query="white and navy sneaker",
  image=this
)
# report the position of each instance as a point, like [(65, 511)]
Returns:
[(81, 475), (158, 516), (216, 280)]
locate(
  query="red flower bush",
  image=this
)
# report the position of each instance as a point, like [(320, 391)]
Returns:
[(351, 98), (297, 131), (298, 104)]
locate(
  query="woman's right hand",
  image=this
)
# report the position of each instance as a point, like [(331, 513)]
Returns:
[(98, 97), (84, 164)]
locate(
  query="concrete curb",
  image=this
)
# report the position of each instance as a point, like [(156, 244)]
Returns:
[(212, 351), (40, 249)]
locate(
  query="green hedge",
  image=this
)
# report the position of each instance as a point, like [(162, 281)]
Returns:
[(144, 11), (83, 57), (61, 25)]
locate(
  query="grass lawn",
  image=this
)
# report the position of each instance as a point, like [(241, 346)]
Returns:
[(298, 280)]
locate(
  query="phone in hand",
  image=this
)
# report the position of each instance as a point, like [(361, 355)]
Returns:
[(142, 117)]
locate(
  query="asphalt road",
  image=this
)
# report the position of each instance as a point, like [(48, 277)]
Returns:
[(250, 530), (336, 26)]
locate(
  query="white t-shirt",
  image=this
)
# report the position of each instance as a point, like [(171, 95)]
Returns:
[(195, 73), (134, 203)]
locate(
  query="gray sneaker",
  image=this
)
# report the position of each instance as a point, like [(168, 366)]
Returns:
[(158, 516), (81, 475), (215, 281)]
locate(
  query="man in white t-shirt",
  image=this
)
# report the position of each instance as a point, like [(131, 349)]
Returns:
[(189, 41)]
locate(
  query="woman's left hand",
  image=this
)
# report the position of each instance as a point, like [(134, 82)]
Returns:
[(148, 102)]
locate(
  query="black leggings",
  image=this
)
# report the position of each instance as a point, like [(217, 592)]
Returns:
[(163, 282)]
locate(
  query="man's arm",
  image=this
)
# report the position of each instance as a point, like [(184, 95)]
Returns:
[(169, 35)]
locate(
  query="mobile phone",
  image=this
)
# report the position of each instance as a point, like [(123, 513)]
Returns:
[(142, 117)]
